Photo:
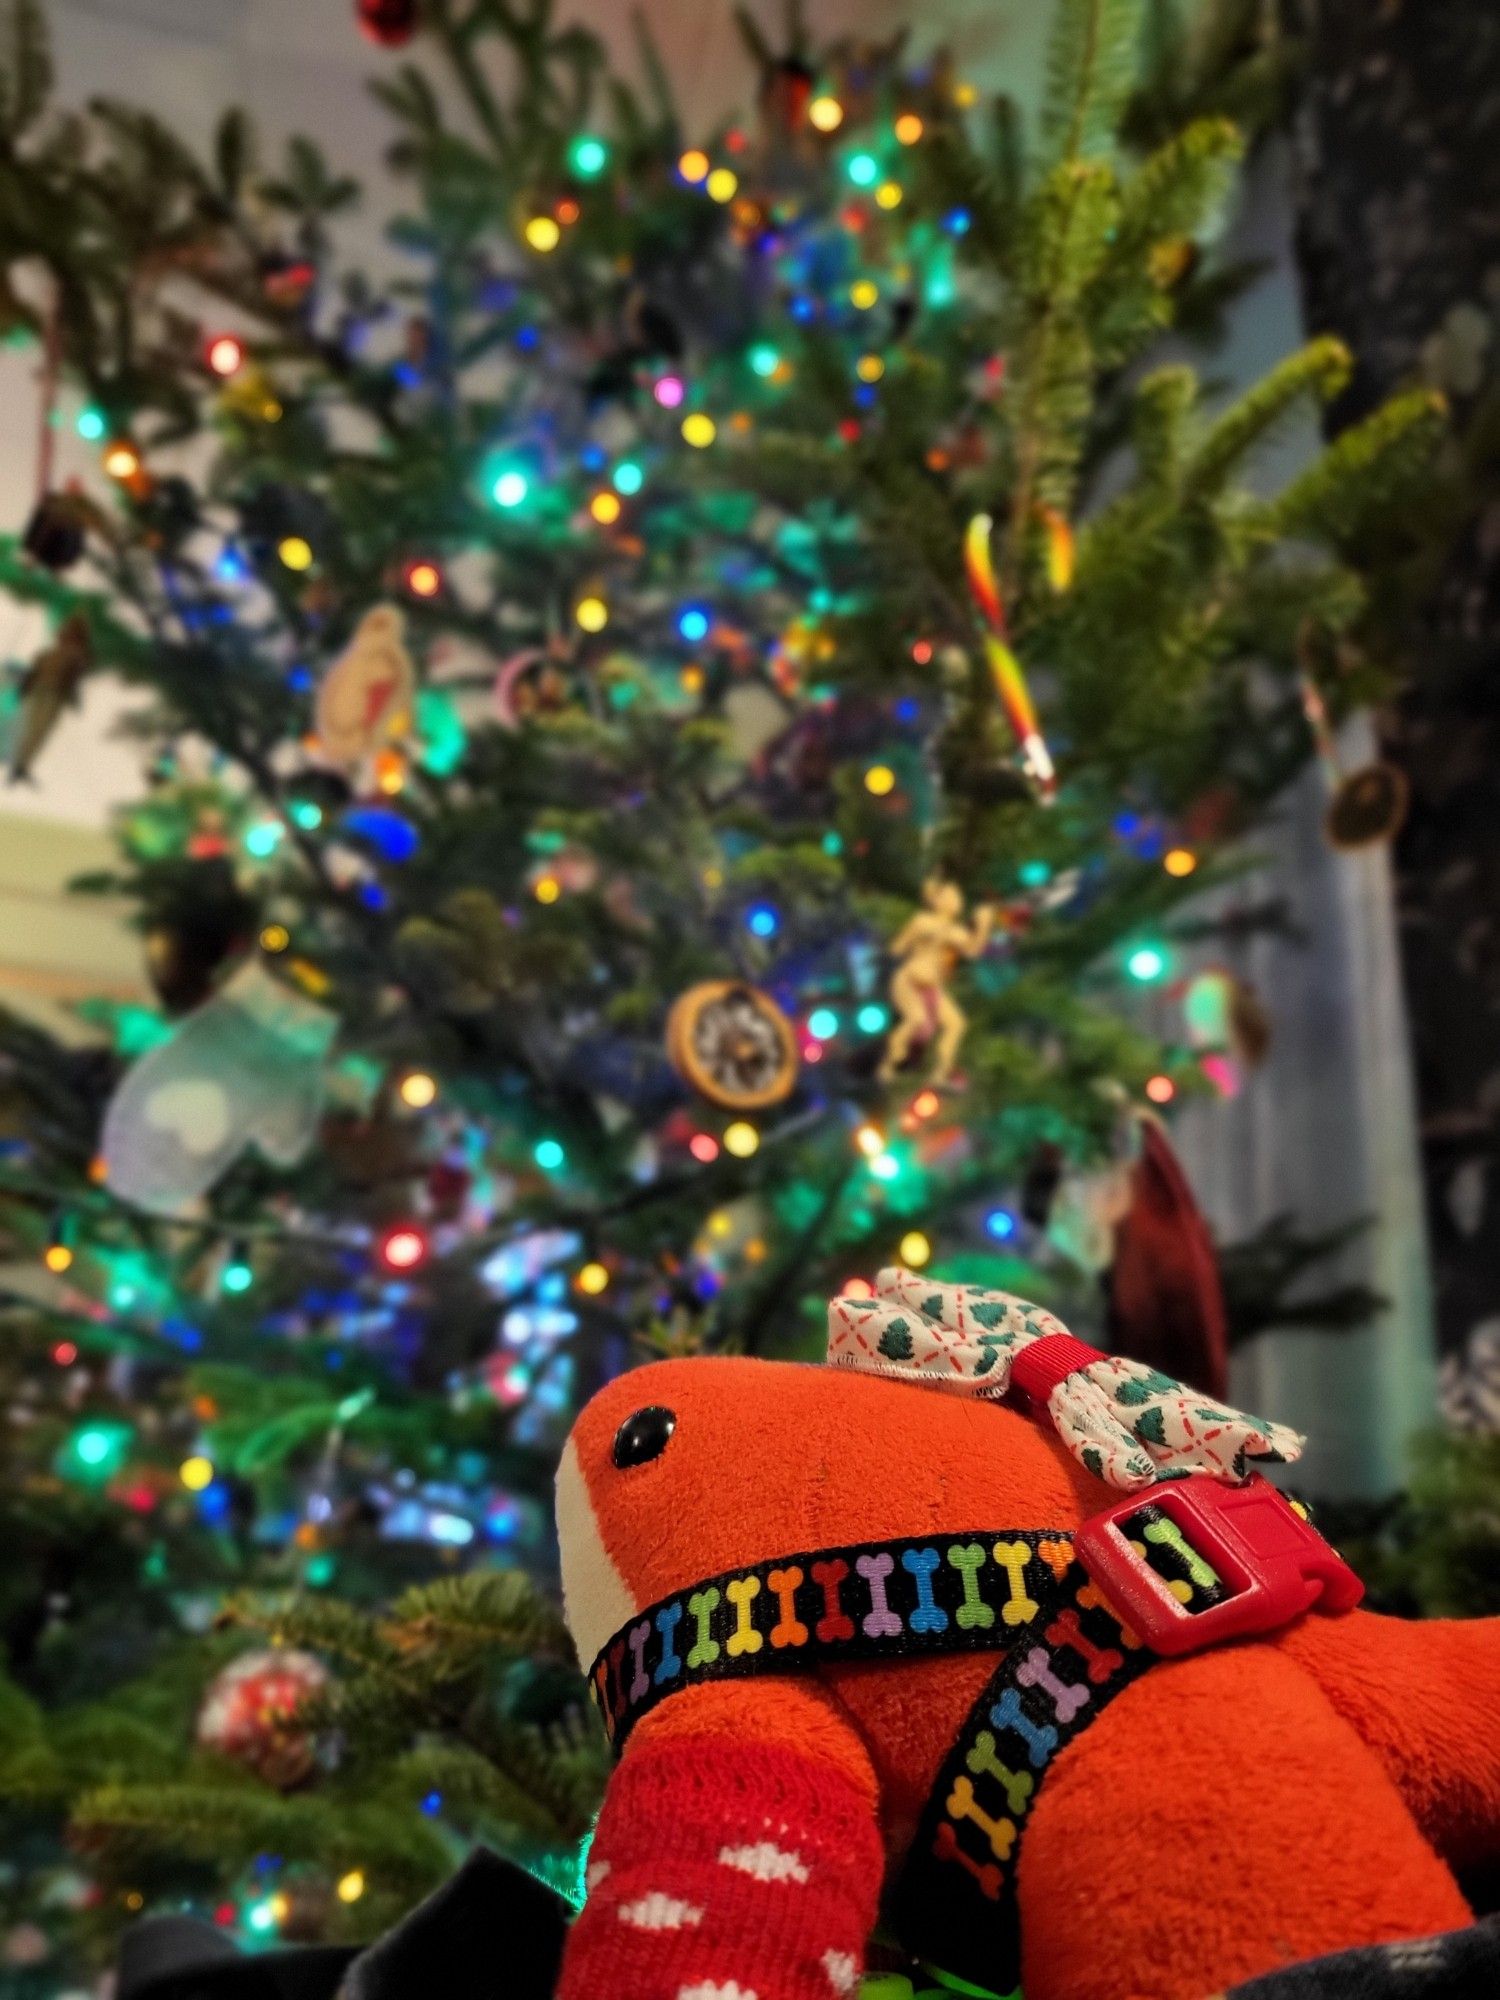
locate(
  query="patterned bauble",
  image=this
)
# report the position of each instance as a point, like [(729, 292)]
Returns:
[(54, 534), (251, 1711)]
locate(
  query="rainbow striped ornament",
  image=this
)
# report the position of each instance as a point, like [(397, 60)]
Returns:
[(1005, 669)]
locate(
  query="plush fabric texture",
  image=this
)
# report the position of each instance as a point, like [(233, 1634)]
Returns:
[(1217, 1821), (1229, 1814)]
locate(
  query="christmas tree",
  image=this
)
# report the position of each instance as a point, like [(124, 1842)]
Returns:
[(683, 729)]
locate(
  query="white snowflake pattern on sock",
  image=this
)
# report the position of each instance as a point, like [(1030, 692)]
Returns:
[(843, 1972), (659, 1912), (765, 1861)]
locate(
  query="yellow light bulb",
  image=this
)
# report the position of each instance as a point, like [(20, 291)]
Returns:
[(869, 368), (699, 430), (693, 166), (592, 613), (691, 680), (870, 1140), (546, 888), (1179, 861), (543, 233), (888, 195), (879, 780), (295, 552), (826, 114), (57, 1257), (351, 1886), (605, 508), (722, 184), (909, 128), (196, 1472), (741, 1139), (122, 461), (418, 1089), (915, 1249), (593, 1279), (863, 293)]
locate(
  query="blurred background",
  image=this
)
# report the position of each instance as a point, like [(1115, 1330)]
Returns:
[(532, 1012)]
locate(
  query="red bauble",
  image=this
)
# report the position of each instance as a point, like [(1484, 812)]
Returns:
[(391, 23), (251, 1714)]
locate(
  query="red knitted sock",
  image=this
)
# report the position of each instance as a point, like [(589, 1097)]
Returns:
[(725, 1870)]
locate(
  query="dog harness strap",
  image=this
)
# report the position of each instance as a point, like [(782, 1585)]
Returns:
[(970, 1592), (954, 1903)]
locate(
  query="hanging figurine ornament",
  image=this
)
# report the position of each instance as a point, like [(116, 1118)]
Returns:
[(928, 948), (48, 686), (1366, 805), (733, 1044), (367, 696), (1005, 669)]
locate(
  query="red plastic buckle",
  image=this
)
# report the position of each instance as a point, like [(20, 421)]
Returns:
[(1274, 1562)]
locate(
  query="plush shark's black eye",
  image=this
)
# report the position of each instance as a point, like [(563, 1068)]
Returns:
[(643, 1435)]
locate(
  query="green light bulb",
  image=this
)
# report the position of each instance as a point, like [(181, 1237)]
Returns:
[(263, 840), (588, 156), (93, 1446), (764, 359), (238, 1276), (863, 169), (628, 477), (1146, 963)]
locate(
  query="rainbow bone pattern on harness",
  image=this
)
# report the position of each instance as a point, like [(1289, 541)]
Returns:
[(1125, 1423), (1252, 1561)]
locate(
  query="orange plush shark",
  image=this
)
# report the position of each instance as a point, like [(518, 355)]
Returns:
[(839, 1629)]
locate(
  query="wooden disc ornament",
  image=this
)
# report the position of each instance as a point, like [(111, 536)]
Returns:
[(733, 1044), (1367, 806)]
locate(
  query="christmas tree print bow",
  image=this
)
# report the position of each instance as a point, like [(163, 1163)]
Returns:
[(1125, 1423)]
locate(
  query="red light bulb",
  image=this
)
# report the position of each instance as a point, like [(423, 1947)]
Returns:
[(226, 354), (402, 1247)]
